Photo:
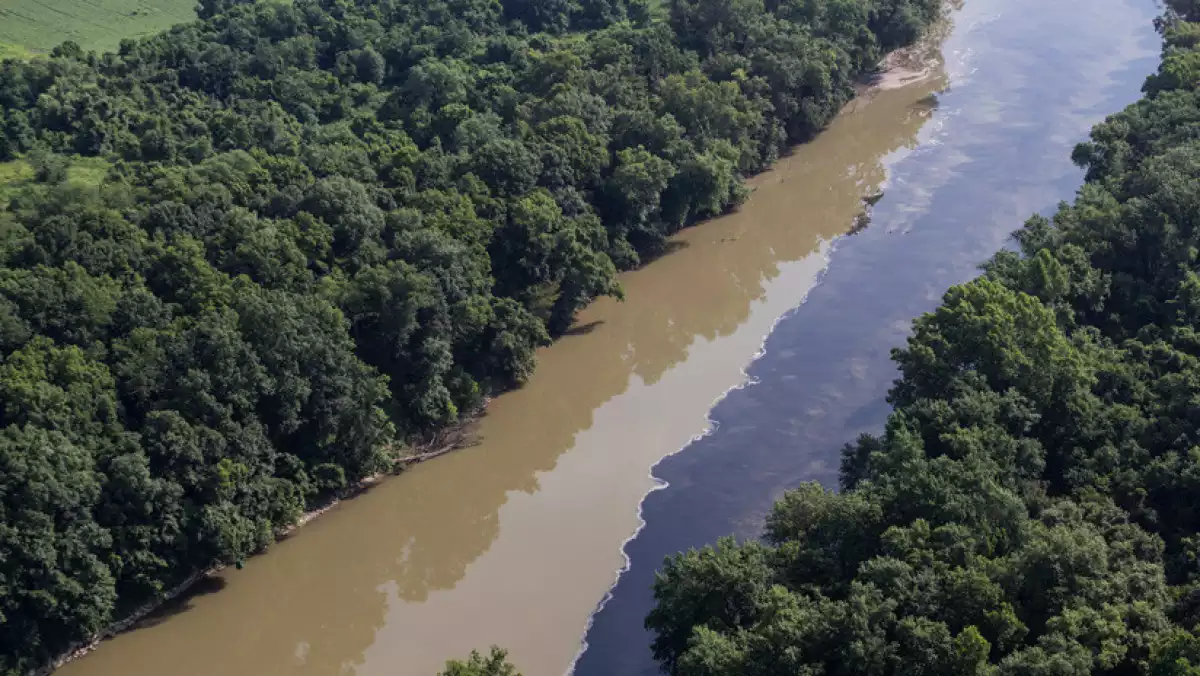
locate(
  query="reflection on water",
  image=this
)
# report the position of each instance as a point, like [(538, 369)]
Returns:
[(1028, 78), (514, 540)]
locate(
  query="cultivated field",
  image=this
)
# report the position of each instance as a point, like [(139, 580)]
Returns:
[(29, 27)]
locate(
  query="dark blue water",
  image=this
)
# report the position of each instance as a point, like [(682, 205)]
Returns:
[(1028, 79)]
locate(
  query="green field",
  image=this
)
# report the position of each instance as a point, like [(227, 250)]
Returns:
[(30, 27), (83, 172)]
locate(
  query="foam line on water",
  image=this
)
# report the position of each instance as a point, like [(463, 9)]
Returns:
[(712, 425)]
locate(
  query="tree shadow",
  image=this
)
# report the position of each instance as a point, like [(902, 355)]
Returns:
[(669, 248), (583, 329), (209, 584), (860, 223), (872, 415)]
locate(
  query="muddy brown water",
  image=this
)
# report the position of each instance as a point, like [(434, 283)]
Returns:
[(515, 540)]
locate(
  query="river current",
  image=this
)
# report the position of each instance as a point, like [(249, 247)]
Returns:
[(1025, 80)]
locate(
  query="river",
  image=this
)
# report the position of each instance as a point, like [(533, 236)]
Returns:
[(1027, 79), (514, 540)]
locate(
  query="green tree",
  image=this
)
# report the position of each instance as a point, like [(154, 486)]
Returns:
[(495, 664), (58, 588)]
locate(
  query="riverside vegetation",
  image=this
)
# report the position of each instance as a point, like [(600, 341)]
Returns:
[(1031, 508), (241, 261)]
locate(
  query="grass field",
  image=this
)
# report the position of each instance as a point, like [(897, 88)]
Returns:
[(8, 51), (84, 172), (30, 27)]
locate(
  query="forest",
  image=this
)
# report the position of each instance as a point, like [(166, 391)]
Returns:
[(242, 262), (1033, 505)]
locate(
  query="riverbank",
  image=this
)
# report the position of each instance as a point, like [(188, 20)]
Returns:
[(183, 588), (438, 444), (918, 61)]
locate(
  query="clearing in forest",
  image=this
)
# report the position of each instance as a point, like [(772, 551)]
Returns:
[(80, 172), (29, 27)]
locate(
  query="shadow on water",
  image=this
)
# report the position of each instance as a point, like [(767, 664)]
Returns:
[(183, 603), (1023, 93), (868, 415), (930, 102), (672, 246), (583, 329)]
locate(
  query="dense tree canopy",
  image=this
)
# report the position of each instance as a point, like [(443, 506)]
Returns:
[(329, 225), (1031, 508)]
